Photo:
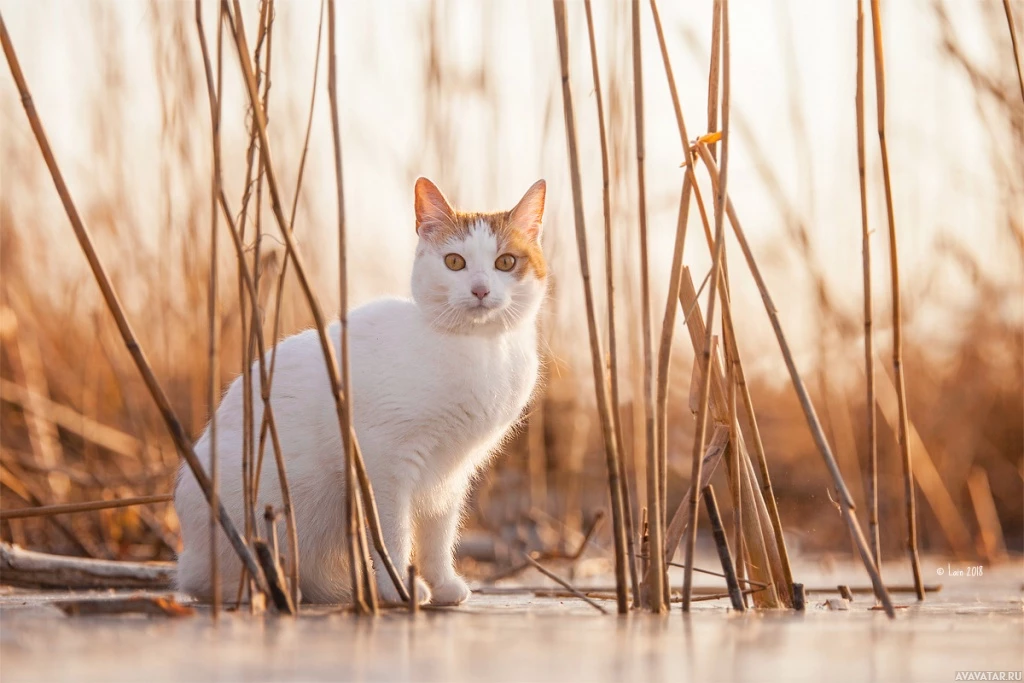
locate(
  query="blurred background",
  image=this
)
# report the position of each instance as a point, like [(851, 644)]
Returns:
[(468, 94)]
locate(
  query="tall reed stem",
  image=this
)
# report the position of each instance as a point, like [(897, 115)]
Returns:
[(674, 281), (897, 311), (869, 340), (716, 265), (356, 531), (213, 310), (1016, 49), (613, 363), (655, 579), (604, 409)]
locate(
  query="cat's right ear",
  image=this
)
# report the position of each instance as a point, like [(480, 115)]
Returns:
[(433, 212)]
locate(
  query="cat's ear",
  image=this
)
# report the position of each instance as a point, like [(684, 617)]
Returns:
[(529, 212), (432, 210)]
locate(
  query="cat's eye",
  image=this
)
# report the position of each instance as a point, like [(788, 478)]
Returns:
[(454, 262), (505, 262)]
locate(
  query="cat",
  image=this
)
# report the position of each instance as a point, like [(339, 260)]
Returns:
[(438, 382)]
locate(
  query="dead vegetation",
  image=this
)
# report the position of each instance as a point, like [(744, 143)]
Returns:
[(78, 424)]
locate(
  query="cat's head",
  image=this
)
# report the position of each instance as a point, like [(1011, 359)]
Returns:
[(478, 272)]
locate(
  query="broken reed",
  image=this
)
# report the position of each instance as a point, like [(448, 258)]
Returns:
[(613, 366), (180, 438), (615, 482), (897, 311)]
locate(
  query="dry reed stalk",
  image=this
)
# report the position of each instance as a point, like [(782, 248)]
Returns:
[(613, 363), (615, 483), (714, 69), (295, 198), (869, 341), (256, 336), (300, 270), (68, 508), (1016, 49), (674, 282), (250, 286), (248, 322), (723, 548), (351, 517), (846, 502), (991, 540), (275, 578), (414, 598), (178, 434), (565, 584), (733, 463), (213, 310), (655, 580), (716, 265), (897, 311)]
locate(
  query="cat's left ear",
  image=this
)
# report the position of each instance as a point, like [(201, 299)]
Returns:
[(433, 212), (529, 212)]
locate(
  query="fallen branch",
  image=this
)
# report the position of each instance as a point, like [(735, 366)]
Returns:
[(30, 569)]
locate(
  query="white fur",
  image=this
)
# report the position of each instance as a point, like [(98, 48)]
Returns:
[(437, 383)]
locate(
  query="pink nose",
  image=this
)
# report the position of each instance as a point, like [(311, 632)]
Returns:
[(480, 292)]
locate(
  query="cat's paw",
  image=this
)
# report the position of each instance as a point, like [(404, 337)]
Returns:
[(389, 595), (452, 591)]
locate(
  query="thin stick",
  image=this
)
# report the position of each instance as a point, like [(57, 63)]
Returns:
[(723, 549), (846, 501), (1016, 49), (181, 440), (562, 582), (897, 313), (656, 565), (740, 579), (716, 264), (604, 410), (351, 530), (869, 339), (67, 508), (613, 369)]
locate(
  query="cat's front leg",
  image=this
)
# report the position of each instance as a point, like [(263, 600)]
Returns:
[(394, 507), (437, 532)]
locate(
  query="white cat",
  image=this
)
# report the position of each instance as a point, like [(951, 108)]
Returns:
[(437, 382)]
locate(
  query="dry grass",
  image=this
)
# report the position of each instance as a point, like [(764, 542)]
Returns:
[(78, 423)]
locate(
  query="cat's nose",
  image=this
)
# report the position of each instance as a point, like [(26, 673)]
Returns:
[(480, 291)]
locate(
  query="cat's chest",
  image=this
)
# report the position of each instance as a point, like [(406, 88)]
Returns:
[(490, 384)]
